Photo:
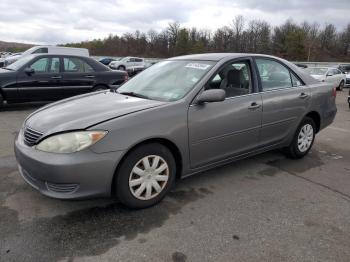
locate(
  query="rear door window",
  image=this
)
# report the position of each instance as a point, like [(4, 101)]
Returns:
[(76, 65), (54, 65), (273, 75)]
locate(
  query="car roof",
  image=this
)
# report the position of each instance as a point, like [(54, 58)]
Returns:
[(53, 54), (219, 56), (228, 56)]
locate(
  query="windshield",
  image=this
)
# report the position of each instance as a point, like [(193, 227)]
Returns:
[(167, 80), (316, 71), (20, 62), (30, 50)]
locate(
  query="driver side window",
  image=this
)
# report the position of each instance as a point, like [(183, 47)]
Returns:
[(40, 65), (234, 79)]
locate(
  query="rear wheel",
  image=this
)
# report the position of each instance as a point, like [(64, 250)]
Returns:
[(341, 85), (303, 139), (1, 101), (145, 176)]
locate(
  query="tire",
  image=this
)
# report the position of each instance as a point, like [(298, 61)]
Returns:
[(341, 86), (296, 149), (122, 68), (136, 189), (1, 101), (99, 88)]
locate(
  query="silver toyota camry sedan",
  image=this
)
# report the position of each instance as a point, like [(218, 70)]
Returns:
[(179, 117)]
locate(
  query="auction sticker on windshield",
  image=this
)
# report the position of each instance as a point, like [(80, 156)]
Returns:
[(198, 66)]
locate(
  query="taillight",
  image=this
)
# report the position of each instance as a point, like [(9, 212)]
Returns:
[(334, 93), (126, 77)]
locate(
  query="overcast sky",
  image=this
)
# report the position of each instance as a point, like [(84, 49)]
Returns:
[(61, 21)]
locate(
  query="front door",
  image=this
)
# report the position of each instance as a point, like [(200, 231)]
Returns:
[(44, 83), (221, 130)]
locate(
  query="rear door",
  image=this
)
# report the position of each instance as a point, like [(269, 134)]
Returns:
[(44, 84), (78, 76), (221, 130), (285, 100)]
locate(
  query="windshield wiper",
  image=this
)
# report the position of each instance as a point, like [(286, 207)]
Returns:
[(133, 94), (6, 68)]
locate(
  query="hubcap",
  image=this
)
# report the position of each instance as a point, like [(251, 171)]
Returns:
[(305, 137), (149, 177)]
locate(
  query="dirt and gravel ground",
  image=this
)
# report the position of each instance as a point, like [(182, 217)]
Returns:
[(266, 208)]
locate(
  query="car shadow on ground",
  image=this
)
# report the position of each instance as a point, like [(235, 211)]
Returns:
[(104, 223)]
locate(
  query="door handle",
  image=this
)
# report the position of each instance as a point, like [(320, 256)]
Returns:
[(90, 76), (254, 106), (56, 77), (303, 95)]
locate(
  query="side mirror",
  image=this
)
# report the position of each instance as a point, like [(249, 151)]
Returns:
[(29, 71), (211, 95)]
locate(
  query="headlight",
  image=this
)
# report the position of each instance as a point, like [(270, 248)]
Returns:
[(70, 142)]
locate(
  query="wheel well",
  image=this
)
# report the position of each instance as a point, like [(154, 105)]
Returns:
[(317, 119), (2, 94), (165, 142)]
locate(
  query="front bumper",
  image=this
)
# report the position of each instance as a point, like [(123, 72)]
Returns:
[(347, 82), (78, 175)]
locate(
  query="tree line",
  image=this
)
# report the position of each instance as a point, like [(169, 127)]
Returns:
[(294, 41)]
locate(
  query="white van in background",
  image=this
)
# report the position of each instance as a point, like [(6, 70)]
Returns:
[(58, 50)]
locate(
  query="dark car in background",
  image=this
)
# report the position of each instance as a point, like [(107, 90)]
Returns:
[(49, 77), (107, 60)]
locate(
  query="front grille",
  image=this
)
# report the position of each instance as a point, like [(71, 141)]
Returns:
[(31, 136), (348, 81), (62, 188)]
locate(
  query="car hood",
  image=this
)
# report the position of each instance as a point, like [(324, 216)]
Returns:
[(85, 111), (4, 72), (13, 57)]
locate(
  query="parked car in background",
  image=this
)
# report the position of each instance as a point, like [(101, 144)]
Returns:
[(181, 116), (345, 68), (328, 74), (107, 60), (132, 65), (3, 57), (301, 65), (5, 54), (59, 50), (45, 77)]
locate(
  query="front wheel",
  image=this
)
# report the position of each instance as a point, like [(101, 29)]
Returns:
[(341, 86), (303, 139), (122, 68), (145, 176)]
